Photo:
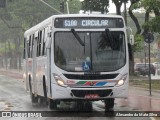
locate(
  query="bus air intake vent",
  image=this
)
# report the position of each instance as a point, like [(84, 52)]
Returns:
[(91, 76), (100, 93)]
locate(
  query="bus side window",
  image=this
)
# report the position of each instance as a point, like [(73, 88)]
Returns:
[(32, 47), (29, 47), (45, 39), (24, 50), (38, 45), (40, 40), (43, 42)]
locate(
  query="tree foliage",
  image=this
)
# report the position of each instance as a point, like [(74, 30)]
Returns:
[(20, 15), (96, 5), (152, 6)]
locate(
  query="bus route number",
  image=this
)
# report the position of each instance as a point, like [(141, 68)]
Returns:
[(70, 23)]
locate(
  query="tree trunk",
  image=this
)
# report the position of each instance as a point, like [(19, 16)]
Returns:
[(118, 5), (135, 21), (118, 9)]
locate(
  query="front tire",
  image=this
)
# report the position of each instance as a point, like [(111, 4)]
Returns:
[(34, 99), (88, 106), (109, 104), (80, 105), (52, 104)]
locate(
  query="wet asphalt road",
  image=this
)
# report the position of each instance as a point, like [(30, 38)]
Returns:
[(13, 97)]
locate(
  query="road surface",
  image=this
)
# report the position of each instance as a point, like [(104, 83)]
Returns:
[(13, 97)]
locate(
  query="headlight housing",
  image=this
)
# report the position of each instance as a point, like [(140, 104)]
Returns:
[(59, 80), (121, 81)]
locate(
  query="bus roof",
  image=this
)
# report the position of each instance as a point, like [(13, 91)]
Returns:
[(86, 15)]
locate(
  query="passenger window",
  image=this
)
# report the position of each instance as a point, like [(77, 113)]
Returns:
[(38, 44), (29, 47), (24, 50), (40, 40), (43, 42), (32, 46)]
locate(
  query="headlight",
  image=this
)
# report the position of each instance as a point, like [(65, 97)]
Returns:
[(24, 76), (121, 81), (59, 80)]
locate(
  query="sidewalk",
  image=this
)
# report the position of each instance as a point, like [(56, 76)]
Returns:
[(138, 99), (12, 73)]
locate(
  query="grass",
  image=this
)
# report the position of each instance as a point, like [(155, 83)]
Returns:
[(155, 84)]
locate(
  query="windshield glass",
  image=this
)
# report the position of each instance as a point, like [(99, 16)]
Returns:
[(98, 53)]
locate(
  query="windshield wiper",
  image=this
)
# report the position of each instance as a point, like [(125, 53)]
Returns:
[(77, 37), (111, 40)]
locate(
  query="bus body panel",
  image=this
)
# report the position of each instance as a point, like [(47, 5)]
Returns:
[(59, 92)]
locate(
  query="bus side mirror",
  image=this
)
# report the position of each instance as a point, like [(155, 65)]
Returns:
[(131, 36), (131, 39)]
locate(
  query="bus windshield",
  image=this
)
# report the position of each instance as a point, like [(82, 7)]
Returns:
[(99, 53)]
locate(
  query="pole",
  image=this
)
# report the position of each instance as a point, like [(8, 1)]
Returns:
[(5, 56), (67, 7), (125, 13), (149, 70), (145, 45)]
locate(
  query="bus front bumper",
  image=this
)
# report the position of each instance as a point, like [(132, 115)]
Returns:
[(59, 92)]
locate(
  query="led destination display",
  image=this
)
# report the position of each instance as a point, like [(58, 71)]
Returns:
[(89, 22)]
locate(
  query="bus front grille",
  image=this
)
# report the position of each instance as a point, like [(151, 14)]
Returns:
[(90, 76)]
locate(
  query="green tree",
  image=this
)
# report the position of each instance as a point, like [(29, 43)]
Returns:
[(152, 6), (95, 5), (20, 15)]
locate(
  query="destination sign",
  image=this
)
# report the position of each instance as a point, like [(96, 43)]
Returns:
[(89, 22)]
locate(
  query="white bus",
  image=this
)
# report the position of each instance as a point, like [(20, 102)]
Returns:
[(80, 58)]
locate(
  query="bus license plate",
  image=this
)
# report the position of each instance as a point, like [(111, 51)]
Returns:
[(91, 96)]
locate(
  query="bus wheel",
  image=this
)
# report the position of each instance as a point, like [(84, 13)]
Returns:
[(80, 105), (45, 89), (88, 106), (52, 104), (41, 100), (33, 98), (109, 104)]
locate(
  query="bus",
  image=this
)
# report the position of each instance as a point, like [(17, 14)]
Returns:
[(77, 57)]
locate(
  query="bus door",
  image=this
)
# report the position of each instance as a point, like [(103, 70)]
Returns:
[(25, 66), (34, 63)]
